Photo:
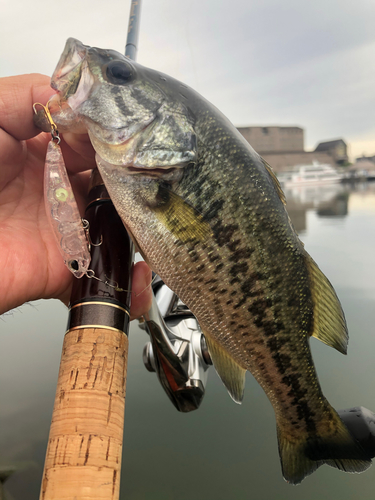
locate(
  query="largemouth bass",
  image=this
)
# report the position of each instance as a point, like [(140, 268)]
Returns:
[(208, 215)]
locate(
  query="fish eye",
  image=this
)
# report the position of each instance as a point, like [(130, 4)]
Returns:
[(119, 72)]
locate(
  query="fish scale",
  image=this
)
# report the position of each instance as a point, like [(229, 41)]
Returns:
[(208, 215)]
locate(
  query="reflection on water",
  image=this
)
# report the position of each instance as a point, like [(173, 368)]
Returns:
[(222, 451), (331, 200)]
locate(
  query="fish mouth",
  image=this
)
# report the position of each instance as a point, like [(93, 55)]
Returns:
[(73, 82), (67, 75), (72, 78)]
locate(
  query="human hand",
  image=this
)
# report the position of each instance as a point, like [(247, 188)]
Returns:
[(30, 262)]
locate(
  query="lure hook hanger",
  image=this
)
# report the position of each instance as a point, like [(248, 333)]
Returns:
[(54, 132)]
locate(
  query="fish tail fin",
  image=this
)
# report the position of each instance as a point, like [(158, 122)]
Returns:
[(332, 444)]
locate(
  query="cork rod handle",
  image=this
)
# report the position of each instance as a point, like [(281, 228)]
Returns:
[(83, 459)]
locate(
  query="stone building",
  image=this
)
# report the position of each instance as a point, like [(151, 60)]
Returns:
[(365, 158), (283, 147), (274, 139), (363, 166), (337, 149)]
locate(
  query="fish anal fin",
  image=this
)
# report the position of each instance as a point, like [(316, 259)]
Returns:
[(335, 447), (274, 180), (230, 372), (329, 320)]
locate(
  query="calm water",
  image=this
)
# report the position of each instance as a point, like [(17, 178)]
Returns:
[(222, 451)]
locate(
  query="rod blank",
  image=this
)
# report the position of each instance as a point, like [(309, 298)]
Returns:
[(133, 30)]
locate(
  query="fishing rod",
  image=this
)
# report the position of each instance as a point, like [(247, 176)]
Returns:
[(84, 451), (131, 46)]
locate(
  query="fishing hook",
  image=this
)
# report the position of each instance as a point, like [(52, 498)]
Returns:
[(86, 227)]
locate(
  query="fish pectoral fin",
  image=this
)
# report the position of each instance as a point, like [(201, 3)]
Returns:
[(179, 217), (275, 181), (329, 320), (230, 372)]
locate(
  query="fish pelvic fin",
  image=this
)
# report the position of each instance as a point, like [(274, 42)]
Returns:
[(230, 372), (329, 320), (333, 446)]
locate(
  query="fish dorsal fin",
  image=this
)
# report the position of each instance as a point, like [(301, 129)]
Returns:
[(230, 372), (180, 217), (329, 320), (275, 181)]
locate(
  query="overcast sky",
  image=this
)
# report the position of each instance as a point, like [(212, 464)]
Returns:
[(261, 62)]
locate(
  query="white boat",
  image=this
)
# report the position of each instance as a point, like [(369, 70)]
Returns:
[(307, 175)]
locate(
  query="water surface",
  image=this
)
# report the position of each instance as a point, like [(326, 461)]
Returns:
[(222, 451)]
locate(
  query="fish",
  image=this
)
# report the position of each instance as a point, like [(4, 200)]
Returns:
[(209, 216)]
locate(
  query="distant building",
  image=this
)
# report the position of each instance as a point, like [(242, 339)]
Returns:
[(274, 139), (366, 158), (337, 149), (364, 165), (283, 147)]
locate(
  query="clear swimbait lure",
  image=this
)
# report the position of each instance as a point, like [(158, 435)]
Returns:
[(61, 207), (62, 213)]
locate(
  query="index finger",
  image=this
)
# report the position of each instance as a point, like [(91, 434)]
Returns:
[(17, 96)]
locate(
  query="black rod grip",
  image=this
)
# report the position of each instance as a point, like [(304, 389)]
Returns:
[(104, 303)]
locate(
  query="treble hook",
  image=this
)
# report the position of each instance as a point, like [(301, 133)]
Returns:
[(86, 227)]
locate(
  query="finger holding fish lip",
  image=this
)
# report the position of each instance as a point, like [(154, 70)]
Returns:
[(18, 95)]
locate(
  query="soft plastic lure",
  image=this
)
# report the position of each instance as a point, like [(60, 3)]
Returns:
[(62, 212)]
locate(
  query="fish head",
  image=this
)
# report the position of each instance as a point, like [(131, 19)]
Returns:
[(130, 112)]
